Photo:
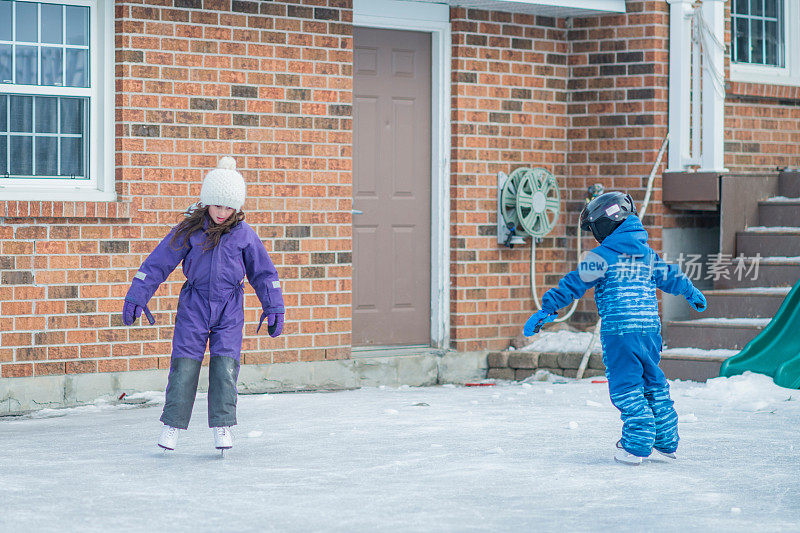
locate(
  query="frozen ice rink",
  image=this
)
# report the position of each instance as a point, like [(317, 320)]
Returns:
[(511, 457)]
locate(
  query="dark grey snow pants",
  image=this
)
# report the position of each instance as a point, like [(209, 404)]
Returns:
[(184, 374)]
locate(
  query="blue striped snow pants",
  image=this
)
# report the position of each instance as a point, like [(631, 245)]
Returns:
[(639, 389)]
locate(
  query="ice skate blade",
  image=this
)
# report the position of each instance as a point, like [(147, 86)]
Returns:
[(664, 456), (626, 458), (165, 448), (628, 462)]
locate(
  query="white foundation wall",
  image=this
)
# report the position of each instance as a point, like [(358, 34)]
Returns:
[(22, 395)]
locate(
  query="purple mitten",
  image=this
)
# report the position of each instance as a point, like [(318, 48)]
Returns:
[(263, 316), (131, 312), (275, 324)]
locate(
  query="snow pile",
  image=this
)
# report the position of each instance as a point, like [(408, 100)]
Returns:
[(562, 341), (771, 229), (545, 376), (766, 290), (149, 397), (126, 401), (779, 259), (759, 322), (782, 199), (746, 392), (699, 352)]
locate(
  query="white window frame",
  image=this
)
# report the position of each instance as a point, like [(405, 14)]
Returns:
[(787, 75), (99, 187)]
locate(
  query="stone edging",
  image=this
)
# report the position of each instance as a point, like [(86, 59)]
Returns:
[(518, 365)]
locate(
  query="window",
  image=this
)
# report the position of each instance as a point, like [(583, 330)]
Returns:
[(54, 132), (765, 41), (757, 32)]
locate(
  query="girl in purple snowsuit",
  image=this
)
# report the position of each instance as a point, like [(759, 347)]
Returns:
[(217, 249)]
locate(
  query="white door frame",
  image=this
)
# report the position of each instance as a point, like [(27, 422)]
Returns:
[(433, 19)]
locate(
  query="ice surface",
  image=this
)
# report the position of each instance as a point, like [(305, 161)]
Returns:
[(514, 457)]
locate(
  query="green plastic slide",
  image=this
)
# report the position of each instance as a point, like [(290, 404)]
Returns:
[(776, 350)]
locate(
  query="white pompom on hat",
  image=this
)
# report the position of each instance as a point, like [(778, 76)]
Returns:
[(224, 185)]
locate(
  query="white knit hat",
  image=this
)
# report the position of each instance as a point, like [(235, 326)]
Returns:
[(224, 185)]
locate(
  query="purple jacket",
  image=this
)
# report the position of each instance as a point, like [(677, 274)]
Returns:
[(213, 273)]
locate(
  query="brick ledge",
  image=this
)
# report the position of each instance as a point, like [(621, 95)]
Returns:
[(64, 209), (737, 89)]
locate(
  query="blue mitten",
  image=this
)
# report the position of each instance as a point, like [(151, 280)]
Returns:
[(697, 301), (536, 321)]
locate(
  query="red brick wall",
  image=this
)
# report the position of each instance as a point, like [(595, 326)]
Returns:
[(509, 75), (269, 83), (618, 111), (761, 134), (762, 121), (586, 98)]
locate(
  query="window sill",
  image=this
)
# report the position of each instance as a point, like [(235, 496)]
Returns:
[(63, 209), (763, 90)]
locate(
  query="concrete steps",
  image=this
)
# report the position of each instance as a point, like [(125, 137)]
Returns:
[(772, 272), (780, 212), (789, 184), (712, 333), (756, 302), (697, 365), (741, 306), (768, 241)]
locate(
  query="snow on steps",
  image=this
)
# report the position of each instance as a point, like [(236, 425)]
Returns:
[(768, 241), (713, 333), (779, 212), (749, 302), (773, 271), (780, 200)]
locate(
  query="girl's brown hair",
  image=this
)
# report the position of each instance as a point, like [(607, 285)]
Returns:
[(194, 219)]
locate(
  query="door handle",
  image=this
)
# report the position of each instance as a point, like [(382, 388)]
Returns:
[(356, 212)]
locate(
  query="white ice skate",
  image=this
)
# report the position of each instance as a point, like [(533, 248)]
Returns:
[(223, 438), (669, 455), (624, 457), (168, 438)]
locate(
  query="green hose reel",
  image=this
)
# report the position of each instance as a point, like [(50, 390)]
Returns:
[(529, 203)]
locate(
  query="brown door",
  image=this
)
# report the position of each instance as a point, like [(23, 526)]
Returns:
[(391, 188)]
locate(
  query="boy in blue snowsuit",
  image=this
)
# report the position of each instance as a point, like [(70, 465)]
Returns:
[(625, 273)]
